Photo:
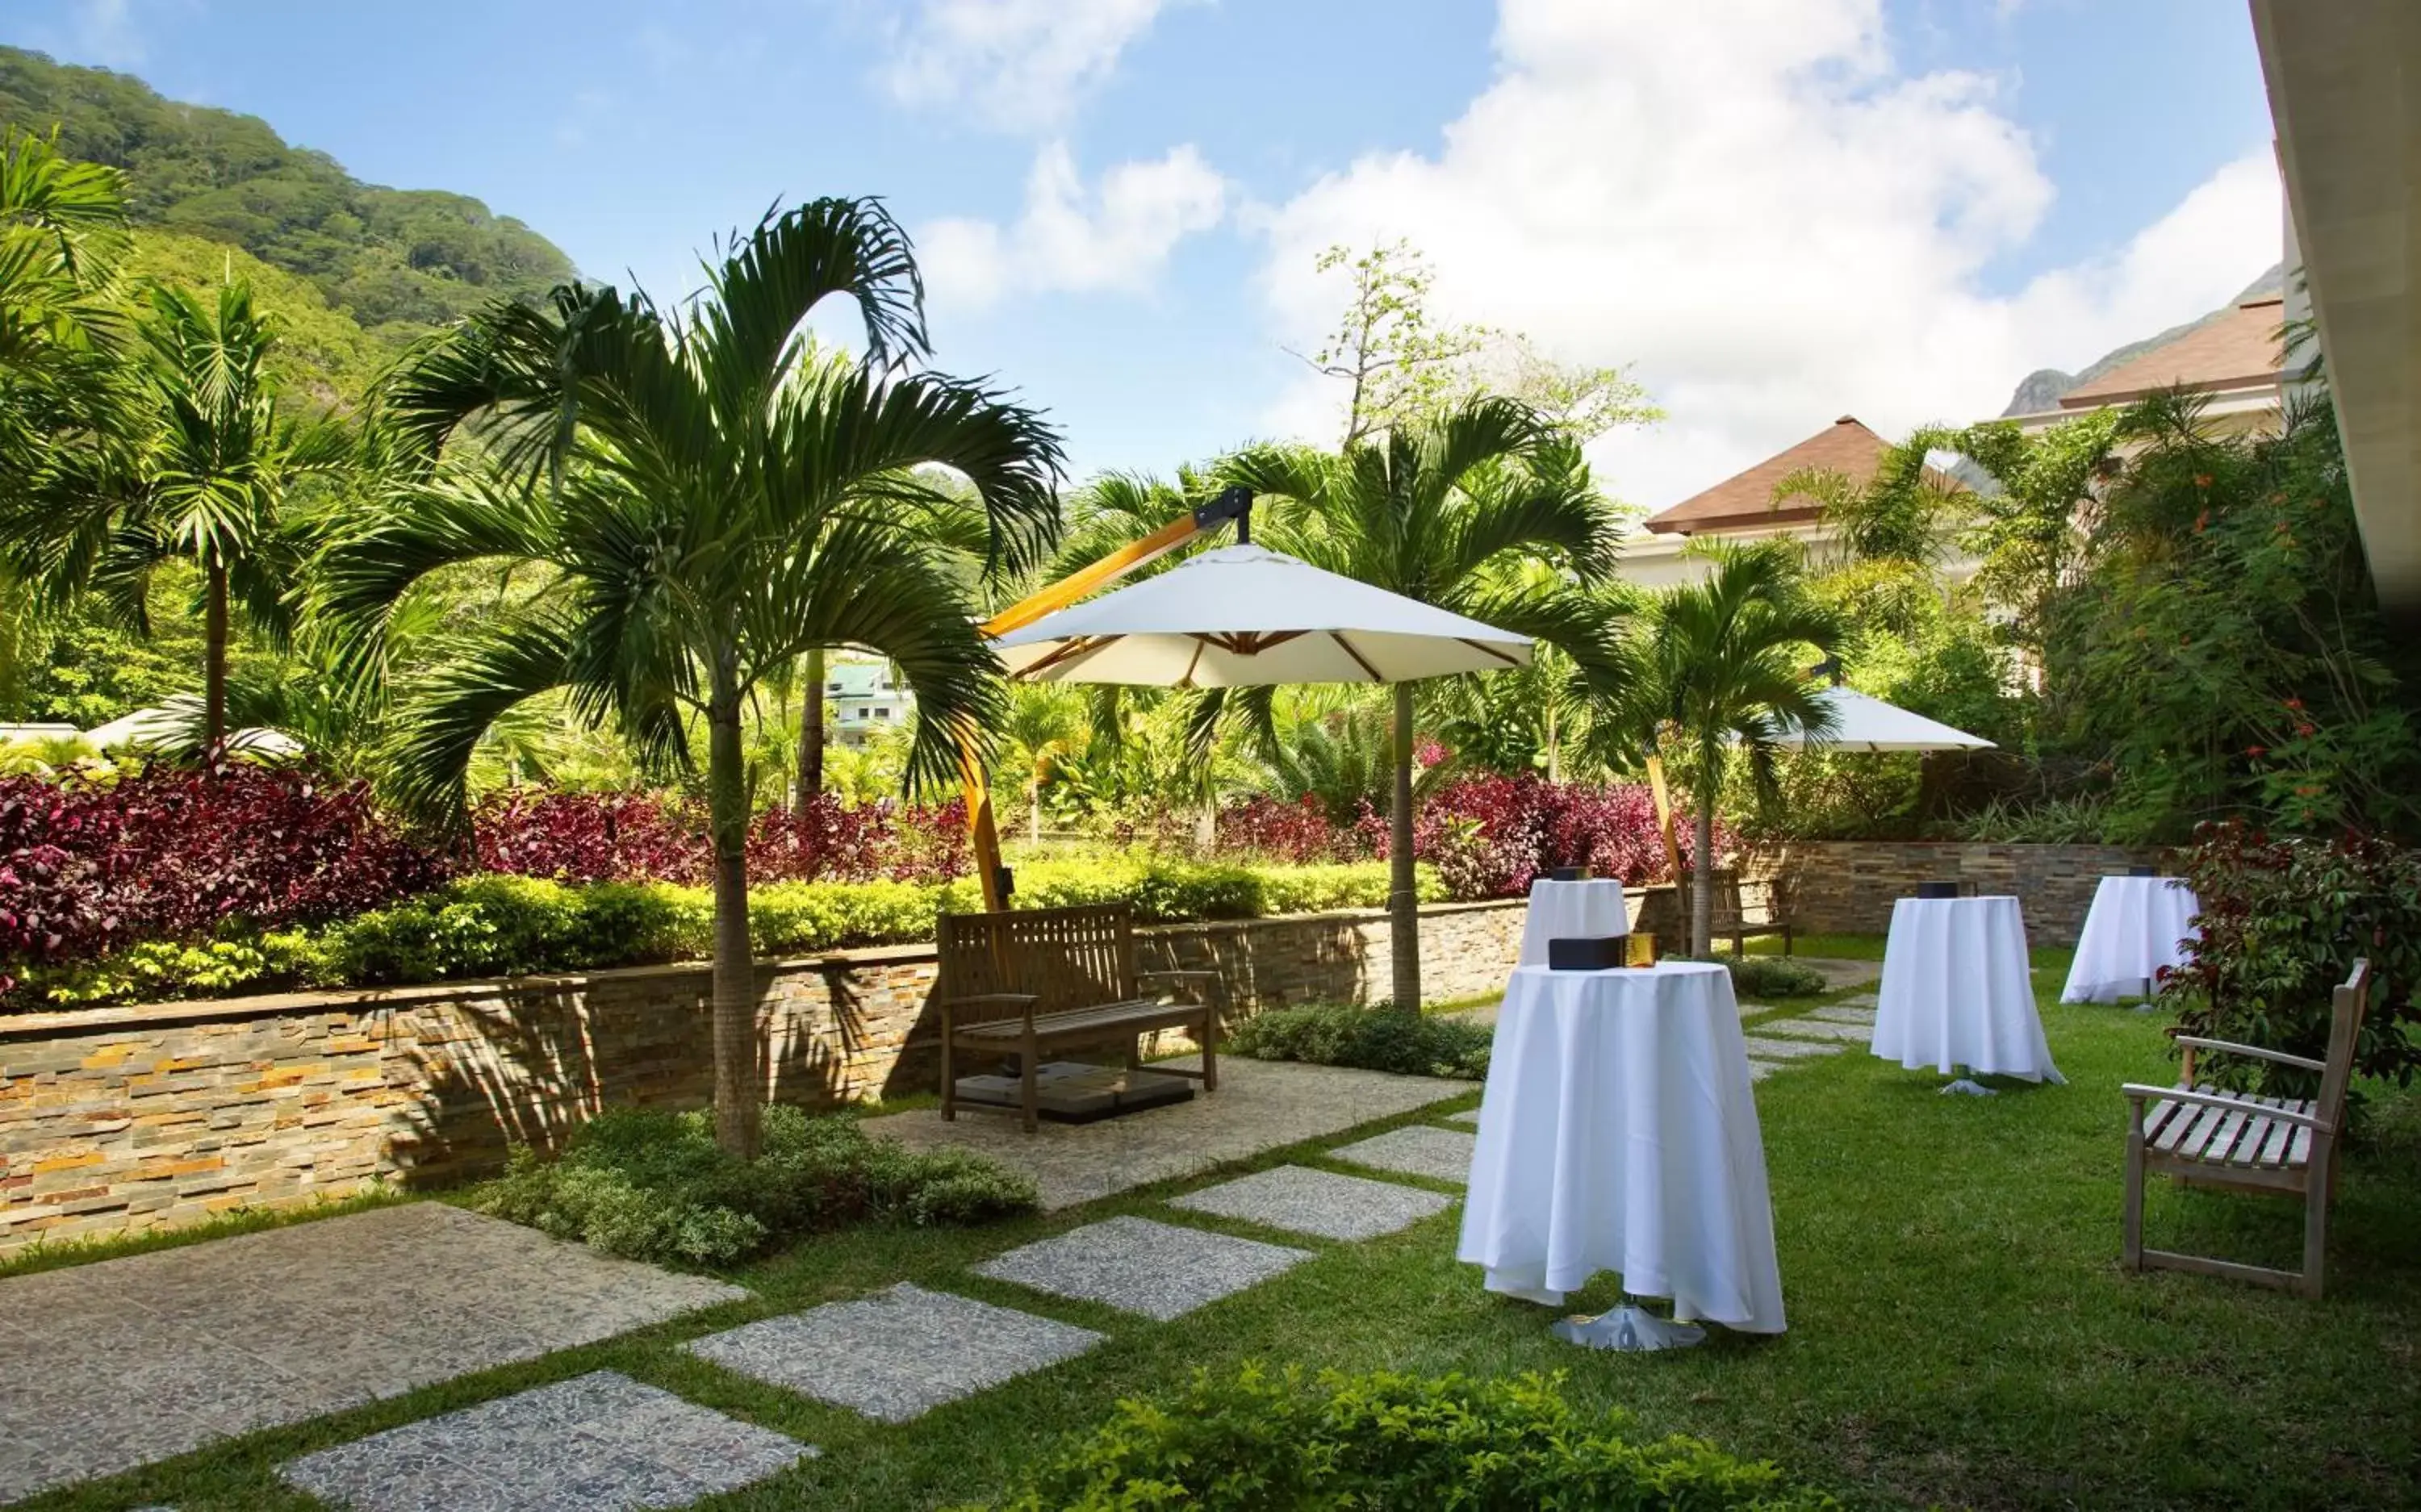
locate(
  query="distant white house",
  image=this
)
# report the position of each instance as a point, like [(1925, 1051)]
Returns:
[(866, 695)]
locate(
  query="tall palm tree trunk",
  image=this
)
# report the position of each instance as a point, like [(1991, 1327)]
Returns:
[(736, 1085), (1702, 878), (214, 654), (1403, 902), (811, 732)]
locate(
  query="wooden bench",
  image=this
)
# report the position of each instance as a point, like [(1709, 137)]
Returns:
[(1027, 982), (1748, 908), (2200, 1136)]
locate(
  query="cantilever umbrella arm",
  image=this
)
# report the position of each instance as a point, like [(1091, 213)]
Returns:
[(1232, 503)]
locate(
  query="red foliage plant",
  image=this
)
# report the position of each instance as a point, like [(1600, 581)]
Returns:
[(578, 836), (92, 863)]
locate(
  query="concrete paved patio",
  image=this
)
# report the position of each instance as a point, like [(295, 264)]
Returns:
[(1260, 1105), (120, 1362)]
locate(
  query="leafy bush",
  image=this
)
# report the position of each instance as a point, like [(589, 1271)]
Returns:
[(1389, 1441), (1374, 1040), (1765, 976), (580, 836), (2283, 921), (655, 1186)]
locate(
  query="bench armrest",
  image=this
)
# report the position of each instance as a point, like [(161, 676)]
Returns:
[(2225, 1047), (2137, 1095), (1202, 976), (1023, 1002)]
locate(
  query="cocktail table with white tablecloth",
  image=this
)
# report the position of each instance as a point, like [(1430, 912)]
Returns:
[(1957, 990), (1617, 1132), (1570, 911), (2137, 924)]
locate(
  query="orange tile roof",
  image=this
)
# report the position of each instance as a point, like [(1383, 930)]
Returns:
[(1745, 500), (2236, 351)]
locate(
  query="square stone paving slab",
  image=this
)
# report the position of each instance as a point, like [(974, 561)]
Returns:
[(116, 1363), (1469, 1120), (1320, 1203), (1814, 1028), (599, 1442), (1160, 1270), (1844, 1013), (1442, 1153), (897, 1355), (1260, 1105), (1783, 1050), (1758, 1070)]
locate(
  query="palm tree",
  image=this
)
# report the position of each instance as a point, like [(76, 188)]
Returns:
[(1724, 665), (710, 502), (1438, 511), (60, 232), (1046, 725), (207, 476)]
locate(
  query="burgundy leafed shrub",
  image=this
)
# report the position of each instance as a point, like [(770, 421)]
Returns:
[(653, 837), (88, 864)]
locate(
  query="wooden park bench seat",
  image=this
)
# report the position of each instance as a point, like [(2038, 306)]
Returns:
[(2202, 1135), (1030, 982), (1747, 909)]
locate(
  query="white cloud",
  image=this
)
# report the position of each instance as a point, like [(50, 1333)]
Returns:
[(1022, 63), (1115, 236), (106, 34), (1750, 202)]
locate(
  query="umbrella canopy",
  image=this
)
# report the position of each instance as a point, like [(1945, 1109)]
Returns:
[(1244, 615), (1865, 724)]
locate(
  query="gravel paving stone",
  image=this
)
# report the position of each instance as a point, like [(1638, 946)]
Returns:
[(1440, 1153), (1758, 1070), (1783, 1050), (1843, 1013), (1320, 1203), (599, 1442), (897, 1355), (1136, 1265), (1820, 1029), (1468, 1120)]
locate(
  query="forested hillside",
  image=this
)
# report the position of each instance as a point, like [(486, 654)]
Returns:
[(395, 260)]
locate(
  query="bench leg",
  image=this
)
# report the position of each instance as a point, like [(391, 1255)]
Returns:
[(1211, 1050), (2316, 1224), (1030, 1095), (2131, 1241), (1786, 939), (949, 1073)]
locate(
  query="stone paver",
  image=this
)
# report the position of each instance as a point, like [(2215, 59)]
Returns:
[(897, 1355), (1469, 1120), (1758, 1070), (1320, 1203), (1844, 1013), (1783, 1050), (1814, 1028), (1134, 1265), (1260, 1105), (1442, 1153), (599, 1442), (1862, 1000), (116, 1363)]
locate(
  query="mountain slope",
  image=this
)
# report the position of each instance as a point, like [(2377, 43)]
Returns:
[(2040, 389), (394, 261)]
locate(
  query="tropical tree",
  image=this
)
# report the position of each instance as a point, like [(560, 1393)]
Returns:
[(709, 502), (208, 473), (1046, 727), (1723, 666), (60, 234), (1438, 511)]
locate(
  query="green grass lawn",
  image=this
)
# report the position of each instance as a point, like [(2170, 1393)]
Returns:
[(1959, 1334)]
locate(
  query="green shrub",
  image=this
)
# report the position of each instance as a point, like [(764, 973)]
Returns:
[(1389, 1441), (1765, 976), (655, 1186), (1374, 1040)]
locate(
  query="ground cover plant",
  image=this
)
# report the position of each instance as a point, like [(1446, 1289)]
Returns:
[(1371, 1039), (656, 1186), (1261, 1440), (1765, 976)]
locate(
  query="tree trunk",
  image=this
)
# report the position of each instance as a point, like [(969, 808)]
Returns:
[(214, 641), (1702, 875), (1554, 755), (811, 732), (1403, 902), (738, 1086), (1034, 808)]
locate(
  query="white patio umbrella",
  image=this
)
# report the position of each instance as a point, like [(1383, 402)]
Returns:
[(1243, 616), (1862, 723)]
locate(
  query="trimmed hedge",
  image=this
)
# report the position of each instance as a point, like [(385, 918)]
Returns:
[(1372, 1039), (1390, 1441), (502, 926), (655, 1186)]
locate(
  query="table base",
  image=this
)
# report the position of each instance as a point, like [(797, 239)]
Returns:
[(1968, 1087), (1630, 1328)]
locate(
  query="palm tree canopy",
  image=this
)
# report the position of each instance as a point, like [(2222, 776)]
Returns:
[(1724, 659), (711, 496)]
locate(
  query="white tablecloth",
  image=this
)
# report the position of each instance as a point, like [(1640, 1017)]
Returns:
[(1570, 911), (1617, 1133), (2136, 927), (1956, 989)]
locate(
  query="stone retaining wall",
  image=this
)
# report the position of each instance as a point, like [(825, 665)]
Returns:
[(115, 1119), (1848, 886)]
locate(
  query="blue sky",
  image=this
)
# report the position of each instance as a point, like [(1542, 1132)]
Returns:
[(1776, 209)]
